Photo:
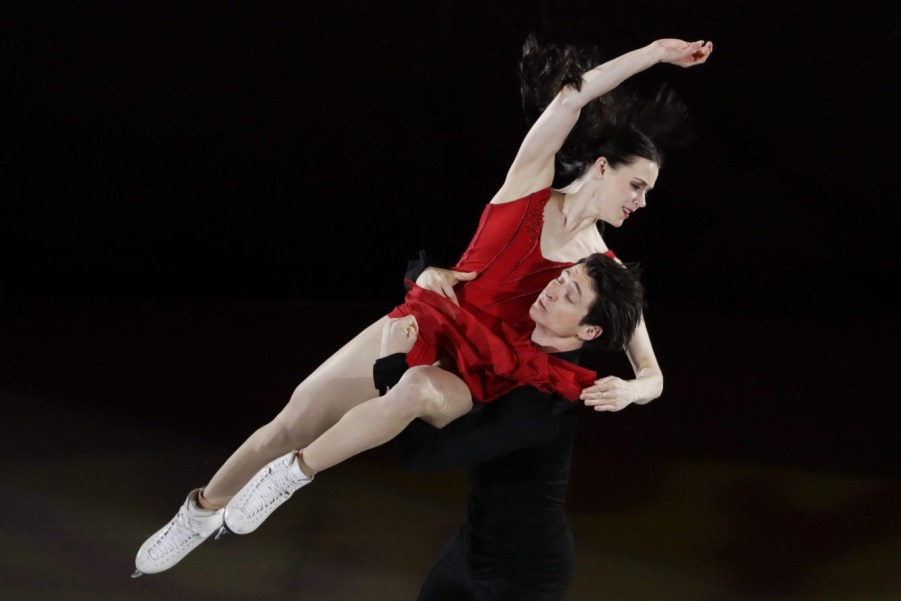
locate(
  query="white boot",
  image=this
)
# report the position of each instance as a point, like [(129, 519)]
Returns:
[(191, 526), (269, 488)]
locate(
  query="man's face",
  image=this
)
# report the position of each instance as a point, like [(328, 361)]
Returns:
[(560, 308)]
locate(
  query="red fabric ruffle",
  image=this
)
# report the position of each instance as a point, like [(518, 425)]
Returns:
[(492, 356)]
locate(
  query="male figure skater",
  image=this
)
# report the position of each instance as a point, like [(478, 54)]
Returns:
[(515, 543)]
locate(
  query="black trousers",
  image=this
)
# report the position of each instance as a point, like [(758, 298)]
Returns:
[(463, 573)]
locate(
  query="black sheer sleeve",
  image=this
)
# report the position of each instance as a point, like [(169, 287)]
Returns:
[(522, 418), (415, 267)]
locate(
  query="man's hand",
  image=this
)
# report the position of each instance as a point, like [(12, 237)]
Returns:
[(442, 281)]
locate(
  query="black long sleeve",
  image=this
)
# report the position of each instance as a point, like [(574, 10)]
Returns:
[(523, 418), (516, 450), (415, 267)]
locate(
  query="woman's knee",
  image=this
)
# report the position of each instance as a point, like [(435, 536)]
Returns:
[(411, 395), (428, 391)]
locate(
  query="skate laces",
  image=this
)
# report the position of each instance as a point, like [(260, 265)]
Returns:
[(274, 485), (182, 530)]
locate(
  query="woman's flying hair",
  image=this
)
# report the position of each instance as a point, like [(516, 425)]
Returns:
[(621, 125)]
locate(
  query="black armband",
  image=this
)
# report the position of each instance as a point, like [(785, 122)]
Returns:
[(387, 371)]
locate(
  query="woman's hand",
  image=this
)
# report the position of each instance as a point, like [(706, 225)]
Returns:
[(398, 335), (442, 281), (610, 394), (682, 53)]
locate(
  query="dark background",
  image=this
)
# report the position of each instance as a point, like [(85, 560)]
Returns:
[(202, 201)]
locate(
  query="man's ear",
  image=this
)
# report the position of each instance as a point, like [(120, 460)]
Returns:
[(588, 332)]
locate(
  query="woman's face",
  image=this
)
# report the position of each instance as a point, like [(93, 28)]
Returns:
[(623, 190)]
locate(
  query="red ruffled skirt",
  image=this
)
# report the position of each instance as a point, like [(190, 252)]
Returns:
[(491, 356)]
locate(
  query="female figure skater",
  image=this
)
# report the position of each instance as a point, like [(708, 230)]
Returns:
[(527, 234)]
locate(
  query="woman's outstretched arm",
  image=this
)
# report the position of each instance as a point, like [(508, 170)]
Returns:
[(533, 166)]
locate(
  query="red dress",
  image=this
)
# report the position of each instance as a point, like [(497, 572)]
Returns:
[(488, 335)]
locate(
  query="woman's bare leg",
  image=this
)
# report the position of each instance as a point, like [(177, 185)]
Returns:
[(430, 393), (341, 383)]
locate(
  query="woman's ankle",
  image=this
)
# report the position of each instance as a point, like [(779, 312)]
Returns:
[(205, 503), (308, 471)]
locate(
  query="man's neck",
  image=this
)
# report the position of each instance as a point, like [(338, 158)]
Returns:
[(554, 344)]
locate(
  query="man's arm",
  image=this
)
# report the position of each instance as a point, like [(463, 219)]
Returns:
[(523, 417)]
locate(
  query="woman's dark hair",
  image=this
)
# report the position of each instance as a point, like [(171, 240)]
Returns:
[(619, 303), (622, 125)]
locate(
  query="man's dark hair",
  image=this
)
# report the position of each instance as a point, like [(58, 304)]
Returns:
[(619, 303)]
